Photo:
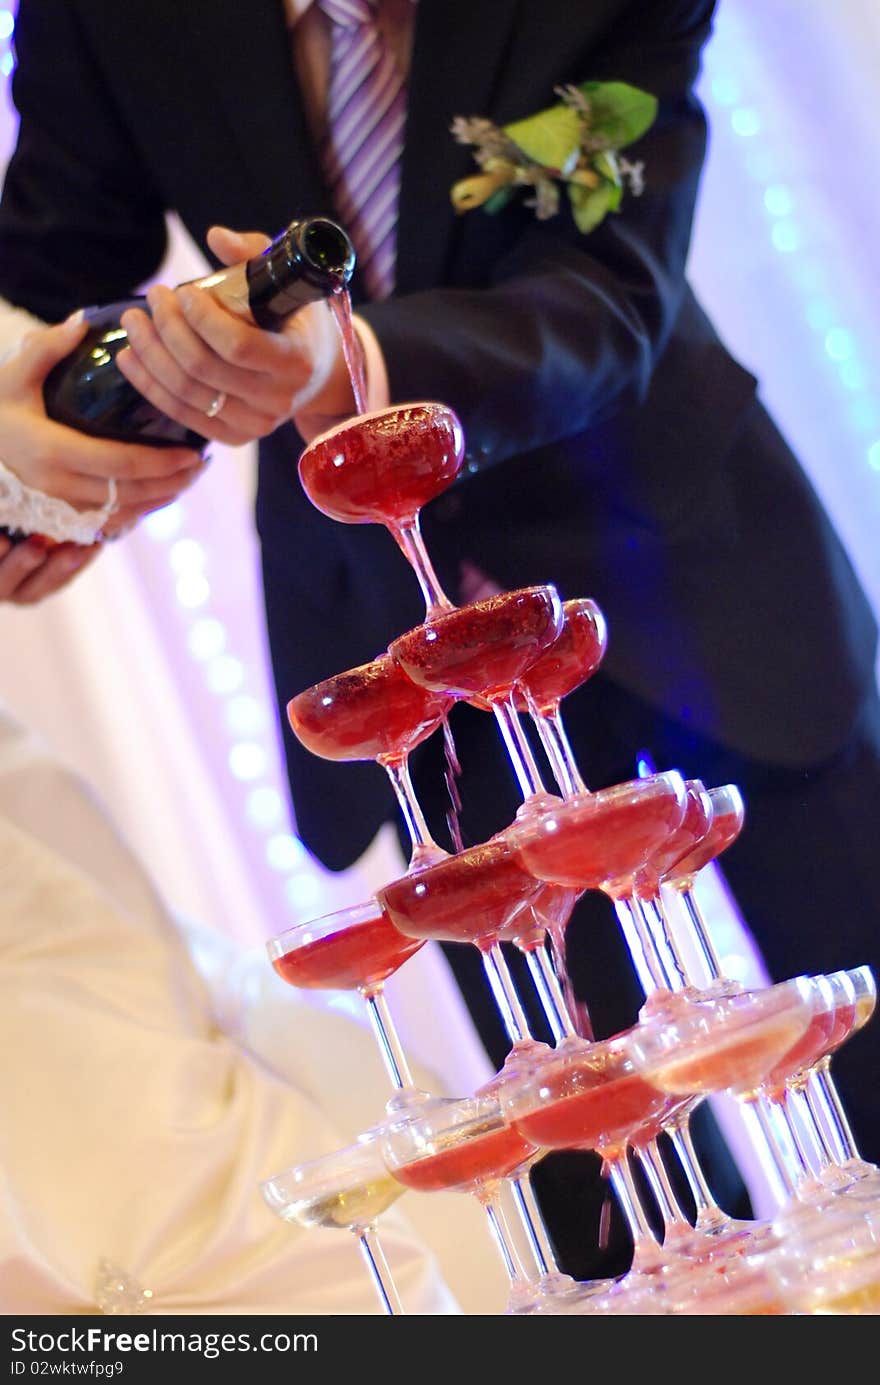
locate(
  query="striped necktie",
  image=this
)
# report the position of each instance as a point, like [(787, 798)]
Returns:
[(366, 110)]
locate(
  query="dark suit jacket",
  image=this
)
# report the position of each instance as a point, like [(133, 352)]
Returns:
[(613, 444)]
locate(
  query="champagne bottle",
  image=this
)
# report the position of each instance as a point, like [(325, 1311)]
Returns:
[(312, 259)]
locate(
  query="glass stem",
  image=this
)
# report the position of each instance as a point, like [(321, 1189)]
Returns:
[(518, 749), (700, 934), (516, 1026), (533, 1225), (576, 1009), (646, 1249), (503, 1239), (674, 1220), (790, 1138), (821, 1092), (412, 545), (644, 957), (776, 1159), (374, 1259), (419, 834), (709, 1214), (822, 1154), (665, 946), (559, 752), (549, 993), (389, 1042)]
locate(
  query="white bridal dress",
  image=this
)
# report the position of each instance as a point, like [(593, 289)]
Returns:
[(143, 1098)]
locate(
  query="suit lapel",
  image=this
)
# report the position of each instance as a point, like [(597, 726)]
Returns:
[(248, 77), (458, 47), (245, 72)]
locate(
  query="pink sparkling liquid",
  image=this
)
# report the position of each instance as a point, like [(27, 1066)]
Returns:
[(570, 660), (340, 306), (599, 841), (382, 467), (373, 712), (354, 958), (468, 1162), (470, 897), (482, 648)]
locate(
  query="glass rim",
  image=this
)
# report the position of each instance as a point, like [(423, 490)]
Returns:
[(520, 1086), (325, 1173), (442, 1115), (357, 421), (729, 792), (300, 934), (591, 804), (484, 602), (727, 1014)]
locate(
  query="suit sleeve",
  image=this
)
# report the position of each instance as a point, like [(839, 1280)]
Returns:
[(81, 221), (566, 330)]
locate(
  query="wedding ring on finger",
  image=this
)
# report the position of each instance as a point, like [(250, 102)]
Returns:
[(216, 404)]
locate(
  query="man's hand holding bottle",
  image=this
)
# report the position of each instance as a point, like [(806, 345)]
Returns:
[(191, 351)]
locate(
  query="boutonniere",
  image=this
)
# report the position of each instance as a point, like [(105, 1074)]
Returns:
[(576, 143)]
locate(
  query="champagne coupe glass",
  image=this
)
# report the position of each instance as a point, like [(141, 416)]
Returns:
[(566, 664), (800, 1149), (802, 1141), (474, 897), (480, 651), (856, 991), (356, 948), (645, 893), (599, 841), (594, 1098), (681, 843), (381, 468), (465, 1144), (729, 1042), (349, 1189), (569, 662), (827, 1260), (471, 897), (374, 712), (799, 1096), (728, 816), (782, 1091), (635, 898), (834, 1169), (619, 840)]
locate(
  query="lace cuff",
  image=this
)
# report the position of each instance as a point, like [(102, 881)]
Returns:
[(27, 511)]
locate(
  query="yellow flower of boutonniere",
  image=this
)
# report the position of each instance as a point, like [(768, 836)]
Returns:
[(576, 142)]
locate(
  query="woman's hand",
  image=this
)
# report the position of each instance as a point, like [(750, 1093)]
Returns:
[(190, 351), (33, 569), (62, 462)]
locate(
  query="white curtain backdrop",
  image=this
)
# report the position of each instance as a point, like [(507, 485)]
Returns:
[(149, 674)]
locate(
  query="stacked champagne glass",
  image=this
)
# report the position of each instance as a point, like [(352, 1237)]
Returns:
[(643, 843)]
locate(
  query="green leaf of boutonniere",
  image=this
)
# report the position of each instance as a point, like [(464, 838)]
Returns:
[(551, 138), (574, 143), (590, 205), (619, 113)]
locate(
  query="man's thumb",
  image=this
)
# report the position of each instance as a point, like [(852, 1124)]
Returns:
[(231, 246)]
